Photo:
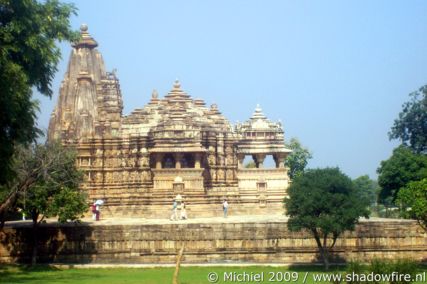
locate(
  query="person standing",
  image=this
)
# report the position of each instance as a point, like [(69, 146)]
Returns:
[(22, 211), (97, 212), (174, 211), (183, 212), (93, 209), (225, 208)]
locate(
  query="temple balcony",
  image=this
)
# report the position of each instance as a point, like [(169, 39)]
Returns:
[(164, 179)]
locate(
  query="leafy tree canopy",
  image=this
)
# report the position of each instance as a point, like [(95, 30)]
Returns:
[(28, 59), (411, 126), (401, 168), (55, 191), (367, 188), (325, 203), (298, 159), (413, 200), (250, 165), (46, 185)]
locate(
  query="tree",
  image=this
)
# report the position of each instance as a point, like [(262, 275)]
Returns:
[(413, 201), (401, 168), (52, 185), (411, 126), (250, 165), (28, 59), (325, 203), (298, 159), (367, 188)]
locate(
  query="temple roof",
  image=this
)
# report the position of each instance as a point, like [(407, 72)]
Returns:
[(86, 40), (258, 114), (90, 106), (259, 122), (177, 94), (177, 111), (260, 135)]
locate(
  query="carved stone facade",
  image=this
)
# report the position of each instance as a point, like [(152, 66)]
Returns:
[(134, 160)]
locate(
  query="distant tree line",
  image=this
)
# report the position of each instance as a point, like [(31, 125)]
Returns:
[(325, 202), (403, 177)]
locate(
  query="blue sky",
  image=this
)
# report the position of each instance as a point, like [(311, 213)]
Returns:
[(335, 72)]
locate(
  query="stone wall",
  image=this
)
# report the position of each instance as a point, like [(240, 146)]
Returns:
[(216, 242)]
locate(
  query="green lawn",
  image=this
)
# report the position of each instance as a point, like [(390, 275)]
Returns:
[(44, 274)]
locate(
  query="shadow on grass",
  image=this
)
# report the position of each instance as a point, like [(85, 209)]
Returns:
[(315, 268), (21, 273), (44, 274), (337, 263)]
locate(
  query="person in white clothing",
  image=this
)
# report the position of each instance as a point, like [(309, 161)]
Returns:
[(225, 208), (174, 215)]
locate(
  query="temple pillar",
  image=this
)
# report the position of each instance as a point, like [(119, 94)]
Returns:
[(240, 159), (280, 160), (197, 157), (259, 160), (158, 157), (178, 157)]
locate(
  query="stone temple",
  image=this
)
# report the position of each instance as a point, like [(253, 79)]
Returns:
[(174, 145)]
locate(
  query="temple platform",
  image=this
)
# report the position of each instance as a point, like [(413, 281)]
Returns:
[(193, 210), (217, 240)]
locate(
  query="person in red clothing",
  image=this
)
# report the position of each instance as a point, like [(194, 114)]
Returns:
[(93, 209)]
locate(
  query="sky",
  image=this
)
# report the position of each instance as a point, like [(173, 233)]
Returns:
[(336, 73)]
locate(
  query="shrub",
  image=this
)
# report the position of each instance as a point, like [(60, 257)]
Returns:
[(355, 267), (399, 266)]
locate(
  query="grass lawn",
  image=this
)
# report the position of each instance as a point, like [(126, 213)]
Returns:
[(188, 275)]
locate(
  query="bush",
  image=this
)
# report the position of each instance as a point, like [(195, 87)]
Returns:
[(380, 266), (405, 266), (355, 267), (400, 266)]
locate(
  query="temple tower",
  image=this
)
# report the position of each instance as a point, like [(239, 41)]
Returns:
[(258, 138), (87, 93)]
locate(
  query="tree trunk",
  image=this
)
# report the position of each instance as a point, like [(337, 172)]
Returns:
[(325, 256), (178, 264), (11, 199), (323, 249), (35, 240), (2, 220)]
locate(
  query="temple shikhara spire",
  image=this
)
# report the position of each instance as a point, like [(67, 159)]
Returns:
[(90, 103), (173, 145)]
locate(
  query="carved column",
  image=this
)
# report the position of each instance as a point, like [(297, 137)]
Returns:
[(178, 157), (280, 160), (197, 157), (259, 160), (240, 159), (158, 157)]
